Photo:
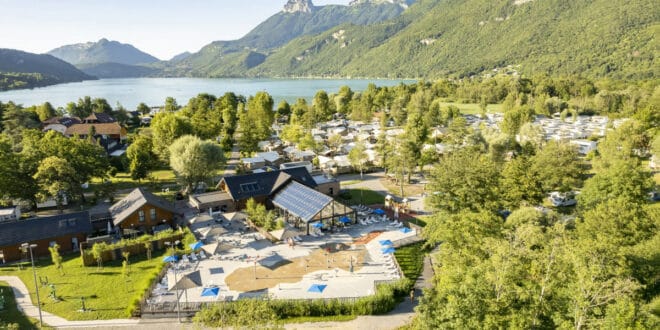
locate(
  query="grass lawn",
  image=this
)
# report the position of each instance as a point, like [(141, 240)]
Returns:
[(473, 108), (408, 189), (362, 196), (10, 316), (411, 260), (349, 182), (106, 293)]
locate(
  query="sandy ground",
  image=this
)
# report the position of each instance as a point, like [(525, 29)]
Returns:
[(292, 271)]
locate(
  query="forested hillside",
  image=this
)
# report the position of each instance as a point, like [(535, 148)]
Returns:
[(236, 57), (20, 69), (613, 38)]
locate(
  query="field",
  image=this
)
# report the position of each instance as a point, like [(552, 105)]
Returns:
[(107, 294), (411, 260), (361, 196), (473, 108)]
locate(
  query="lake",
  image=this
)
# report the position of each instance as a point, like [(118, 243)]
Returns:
[(153, 91)]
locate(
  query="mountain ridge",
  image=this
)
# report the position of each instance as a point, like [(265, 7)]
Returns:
[(19, 69), (102, 51)]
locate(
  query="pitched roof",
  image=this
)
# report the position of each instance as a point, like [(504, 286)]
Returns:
[(301, 201), (22, 231), (242, 187), (135, 200), (101, 129), (66, 121), (99, 117)]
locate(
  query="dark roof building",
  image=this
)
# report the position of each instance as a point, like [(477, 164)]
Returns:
[(67, 230), (243, 187), (137, 199)]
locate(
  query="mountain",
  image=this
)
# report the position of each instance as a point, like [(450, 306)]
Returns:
[(20, 69), (298, 18), (102, 51), (435, 38), (180, 57), (116, 70)]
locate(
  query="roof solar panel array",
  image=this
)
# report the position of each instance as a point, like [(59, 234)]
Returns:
[(301, 201)]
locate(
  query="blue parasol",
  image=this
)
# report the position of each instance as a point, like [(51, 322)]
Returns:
[(170, 259), (196, 246), (385, 242), (317, 225), (405, 230), (344, 220), (388, 250), (379, 211), (317, 288), (210, 292)]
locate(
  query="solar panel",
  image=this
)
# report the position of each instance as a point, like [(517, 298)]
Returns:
[(301, 201)]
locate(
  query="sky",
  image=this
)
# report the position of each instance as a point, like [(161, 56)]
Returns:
[(162, 28)]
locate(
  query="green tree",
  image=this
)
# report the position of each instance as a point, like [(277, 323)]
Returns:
[(358, 157), (45, 111), (557, 166), (165, 128), (520, 184), (56, 257), (260, 114), (343, 100), (143, 109), (194, 160), (321, 107), (283, 109), (101, 105), (622, 179), (54, 176), (171, 105), (465, 180), (140, 157)]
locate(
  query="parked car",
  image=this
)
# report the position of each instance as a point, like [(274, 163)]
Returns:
[(563, 199)]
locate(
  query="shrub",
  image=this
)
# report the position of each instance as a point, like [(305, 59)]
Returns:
[(227, 314)]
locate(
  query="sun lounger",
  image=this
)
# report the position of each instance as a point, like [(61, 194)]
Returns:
[(193, 257), (202, 255)]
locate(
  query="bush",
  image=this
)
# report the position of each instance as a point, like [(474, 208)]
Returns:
[(228, 314)]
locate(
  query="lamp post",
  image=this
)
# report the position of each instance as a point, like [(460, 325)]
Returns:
[(178, 307), (25, 247)]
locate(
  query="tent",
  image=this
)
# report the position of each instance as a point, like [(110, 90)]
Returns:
[(274, 261), (388, 250), (379, 211), (317, 288), (385, 242), (188, 281), (284, 234), (170, 259), (196, 246), (215, 248), (405, 230), (210, 292)]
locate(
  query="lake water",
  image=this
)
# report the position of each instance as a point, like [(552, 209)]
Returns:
[(153, 91)]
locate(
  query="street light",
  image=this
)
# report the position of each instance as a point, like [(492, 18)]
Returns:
[(24, 248), (178, 308)]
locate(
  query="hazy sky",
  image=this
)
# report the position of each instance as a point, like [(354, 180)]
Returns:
[(162, 28)]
